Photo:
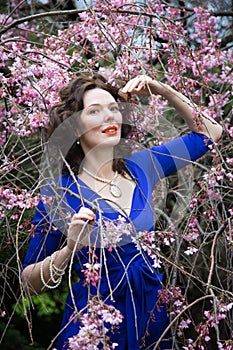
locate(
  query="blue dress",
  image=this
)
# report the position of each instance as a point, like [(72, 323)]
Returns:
[(135, 293)]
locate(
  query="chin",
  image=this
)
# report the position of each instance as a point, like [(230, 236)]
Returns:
[(113, 140)]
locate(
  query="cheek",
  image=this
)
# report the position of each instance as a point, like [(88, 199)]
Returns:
[(120, 119), (88, 126)]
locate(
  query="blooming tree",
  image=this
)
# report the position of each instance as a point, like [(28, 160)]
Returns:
[(42, 48)]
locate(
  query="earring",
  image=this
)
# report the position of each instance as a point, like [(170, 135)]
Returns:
[(78, 142)]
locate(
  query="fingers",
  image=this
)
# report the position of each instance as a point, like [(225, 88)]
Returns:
[(77, 237), (84, 214), (137, 84), (132, 85)]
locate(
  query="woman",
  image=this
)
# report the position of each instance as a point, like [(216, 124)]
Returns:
[(100, 184)]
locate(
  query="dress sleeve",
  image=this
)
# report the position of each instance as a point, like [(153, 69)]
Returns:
[(161, 161), (53, 213), (46, 237)]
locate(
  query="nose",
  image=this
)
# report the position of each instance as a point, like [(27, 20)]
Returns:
[(108, 114)]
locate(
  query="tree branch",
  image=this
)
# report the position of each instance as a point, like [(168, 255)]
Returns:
[(76, 11), (40, 15)]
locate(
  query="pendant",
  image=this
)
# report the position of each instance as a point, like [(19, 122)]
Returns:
[(115, 191)]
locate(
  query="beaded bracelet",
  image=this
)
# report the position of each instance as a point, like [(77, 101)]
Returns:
[(57, 282), (55, 268)]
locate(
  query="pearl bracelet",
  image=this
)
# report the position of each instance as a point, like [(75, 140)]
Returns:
[(42, 276), (55, 268), (52, 270)]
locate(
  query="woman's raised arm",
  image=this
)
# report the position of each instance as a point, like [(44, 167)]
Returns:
[(196, 120)]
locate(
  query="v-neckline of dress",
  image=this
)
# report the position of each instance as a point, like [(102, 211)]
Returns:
[(114, 209)]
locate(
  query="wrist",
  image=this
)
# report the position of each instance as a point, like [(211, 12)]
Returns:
[(159, 88), (67, 251)]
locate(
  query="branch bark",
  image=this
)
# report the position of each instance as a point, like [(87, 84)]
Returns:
[(39, 15), (76, 11)]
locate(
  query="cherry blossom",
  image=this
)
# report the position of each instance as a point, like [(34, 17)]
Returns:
[(99, 320), (177, 45)]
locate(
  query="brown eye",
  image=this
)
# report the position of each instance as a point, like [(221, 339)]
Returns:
[(94, 111), (114, 109)]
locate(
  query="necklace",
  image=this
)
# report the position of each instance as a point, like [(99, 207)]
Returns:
[(113, 189)]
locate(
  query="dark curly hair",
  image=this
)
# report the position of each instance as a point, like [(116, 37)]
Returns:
[(71, 105)]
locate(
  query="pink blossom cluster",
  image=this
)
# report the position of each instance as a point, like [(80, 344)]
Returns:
[(208, 198), (150, 119), (166, 237), (91, 273), (222, 310), (18, 198), (209, 321), (8, 163), (152, 241), (146, 241), (173, 296), (203, 329), (191, 250), (114, 231), (191, 234), (32, 87), (225, 345), (97, 324), (47, 200), (175, 300)]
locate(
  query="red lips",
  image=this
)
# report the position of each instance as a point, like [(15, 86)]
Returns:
[(110, 130)]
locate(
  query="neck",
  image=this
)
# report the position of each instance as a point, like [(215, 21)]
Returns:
[(99, 163)]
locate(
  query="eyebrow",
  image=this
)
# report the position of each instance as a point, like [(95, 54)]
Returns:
[(99, 104)]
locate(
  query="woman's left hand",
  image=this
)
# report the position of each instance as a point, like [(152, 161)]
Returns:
[(142, 85)]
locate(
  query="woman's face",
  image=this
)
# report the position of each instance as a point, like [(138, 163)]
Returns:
[(100, 121)]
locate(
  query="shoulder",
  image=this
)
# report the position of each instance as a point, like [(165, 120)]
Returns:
[(164, 160), (192, 142)]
